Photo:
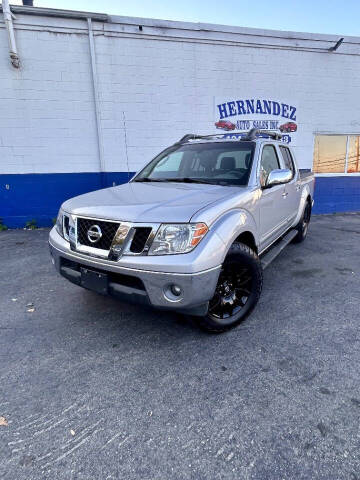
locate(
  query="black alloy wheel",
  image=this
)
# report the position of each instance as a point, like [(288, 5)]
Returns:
[(303, 225), (232, 291), (237, 291)]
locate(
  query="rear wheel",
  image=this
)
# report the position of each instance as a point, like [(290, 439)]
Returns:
[(303, 225), (237, 292)]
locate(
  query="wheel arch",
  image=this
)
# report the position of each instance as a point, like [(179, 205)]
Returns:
[(237, 225), (248, 239), (305, 197)]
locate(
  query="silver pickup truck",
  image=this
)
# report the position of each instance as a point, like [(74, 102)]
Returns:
[(193, 230)]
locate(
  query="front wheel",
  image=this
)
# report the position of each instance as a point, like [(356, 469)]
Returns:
[(237, 292)]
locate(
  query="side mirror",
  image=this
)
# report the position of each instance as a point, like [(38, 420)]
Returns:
[(277, 177)]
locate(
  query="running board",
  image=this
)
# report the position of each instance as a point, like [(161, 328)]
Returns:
[(277, 248)]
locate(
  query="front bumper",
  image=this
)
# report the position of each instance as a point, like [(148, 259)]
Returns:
[(136, 285)]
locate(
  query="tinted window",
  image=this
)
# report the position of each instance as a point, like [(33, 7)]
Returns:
[(213, 162), (269, 162), (288, 161), (241, 158)]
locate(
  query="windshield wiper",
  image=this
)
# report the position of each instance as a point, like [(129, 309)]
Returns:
[(180, 180), (147, 179), (191, 180)]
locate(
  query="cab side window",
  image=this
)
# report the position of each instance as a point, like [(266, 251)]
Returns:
[(288, 161), (269, 162)]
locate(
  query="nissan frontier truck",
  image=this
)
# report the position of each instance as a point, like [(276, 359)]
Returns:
[(193, 230)]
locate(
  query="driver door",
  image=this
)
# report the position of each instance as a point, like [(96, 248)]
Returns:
[(273, 213)]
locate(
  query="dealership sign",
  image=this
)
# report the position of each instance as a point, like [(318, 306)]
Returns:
[(236, 115)]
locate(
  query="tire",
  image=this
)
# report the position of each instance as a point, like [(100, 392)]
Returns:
[(241, 272), (303, 226)]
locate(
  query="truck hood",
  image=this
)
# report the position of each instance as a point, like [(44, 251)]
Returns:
[(148, 202)]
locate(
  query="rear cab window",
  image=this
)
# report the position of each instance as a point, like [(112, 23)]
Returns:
[(288, 160)]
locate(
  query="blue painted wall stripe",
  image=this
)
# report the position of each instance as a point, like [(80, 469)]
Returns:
[(337, 194), (39, 196)]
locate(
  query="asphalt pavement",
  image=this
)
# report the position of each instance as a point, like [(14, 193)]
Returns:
[(91, 388)]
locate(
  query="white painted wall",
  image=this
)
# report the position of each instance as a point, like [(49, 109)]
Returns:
[(164, 79), (47, 113)]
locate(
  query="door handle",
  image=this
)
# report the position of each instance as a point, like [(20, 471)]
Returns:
[(298, 187), (285, 194)]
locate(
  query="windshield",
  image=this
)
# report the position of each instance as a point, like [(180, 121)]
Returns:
[(224, 163)]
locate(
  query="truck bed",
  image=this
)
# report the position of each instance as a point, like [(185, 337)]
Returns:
[(305, 173)]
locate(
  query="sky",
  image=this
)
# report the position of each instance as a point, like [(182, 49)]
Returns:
[(318, 16)]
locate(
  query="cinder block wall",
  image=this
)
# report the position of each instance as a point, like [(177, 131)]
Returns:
[(155, 84)]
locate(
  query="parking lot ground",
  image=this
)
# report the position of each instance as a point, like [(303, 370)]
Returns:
[(91, 388)]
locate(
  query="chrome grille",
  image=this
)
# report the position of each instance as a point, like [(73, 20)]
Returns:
[(117, 238), (108, 230)]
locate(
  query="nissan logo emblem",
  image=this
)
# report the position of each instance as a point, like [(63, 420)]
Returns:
[(94, 233)]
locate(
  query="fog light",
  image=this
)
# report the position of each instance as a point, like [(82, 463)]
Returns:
[(173, 293), (175, 290)]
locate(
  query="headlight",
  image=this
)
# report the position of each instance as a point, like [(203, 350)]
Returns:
[(64, 224), (59, 223), (177, 238)]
